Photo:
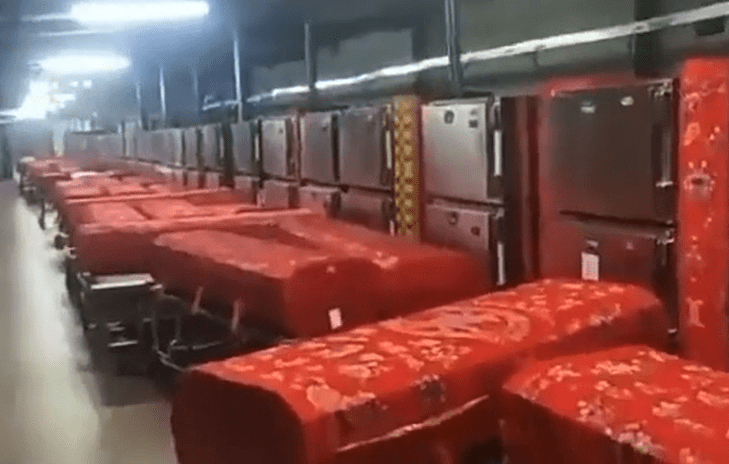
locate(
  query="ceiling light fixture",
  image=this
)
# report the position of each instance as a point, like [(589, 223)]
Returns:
[(138, 12), (84, 64)]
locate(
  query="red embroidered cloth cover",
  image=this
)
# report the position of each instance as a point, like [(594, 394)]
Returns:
[(126, 188), (307, 276), (221, 202), (106, 213), (703, 205), (625, 405), (169, 209), (421, 388), (122, 248), (181, 208)]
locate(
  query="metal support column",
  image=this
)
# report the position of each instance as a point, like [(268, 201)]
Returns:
[(240, 100), (138, 89), (310, 57), (453, 45), (162, 95), (196, 91)]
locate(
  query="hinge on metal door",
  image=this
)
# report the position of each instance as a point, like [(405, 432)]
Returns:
[(498, 134), (499, 233), (663, 242), (662, 90)]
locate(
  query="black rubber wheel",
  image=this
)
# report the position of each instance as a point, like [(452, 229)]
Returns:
[(59, 242)]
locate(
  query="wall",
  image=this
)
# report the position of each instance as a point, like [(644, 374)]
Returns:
[(495, 23), (264, 79), (683, 40), (30, 139), (365, 53)]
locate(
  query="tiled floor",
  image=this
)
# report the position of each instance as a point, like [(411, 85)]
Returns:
[(57, 404)]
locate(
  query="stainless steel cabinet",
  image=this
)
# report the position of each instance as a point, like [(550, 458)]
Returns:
[(594, 250), (277, 194), (242, 147), (176, 146), (278, 142), (210, 146), (373, 210), (111, 146), (212, 180), (365, 155), (192, 156), (157, 146), (612, 152), (248, 186), (462, 149), (323, 200), (318, 153), (470, 229)]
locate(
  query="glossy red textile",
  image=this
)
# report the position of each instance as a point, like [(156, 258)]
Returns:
[(126, 188), (170, 209), (417, 389), (106, 213), (412, 275), (703, 243), (626, 405), (220, 202), (164, 188), (292, 273), (125, 248), (180, 208), (46, 181)]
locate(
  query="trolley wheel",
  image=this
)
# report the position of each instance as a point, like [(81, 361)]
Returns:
[(59, 241)]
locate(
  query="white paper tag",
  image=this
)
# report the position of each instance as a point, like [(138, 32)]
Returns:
[(335, 318), (590, 267)]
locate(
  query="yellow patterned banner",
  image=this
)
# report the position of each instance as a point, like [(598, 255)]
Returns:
[(407, 165)]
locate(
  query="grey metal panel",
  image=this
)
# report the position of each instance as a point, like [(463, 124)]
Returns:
[(613, 151), (373, 210), (467, 229), (362, 148), (116, 145), (212, 180), (157, 145), (191, 155), (276, 194), (175, 146), (242, 144), (277, 144), (145, 147), (110, 146), (195, 179), (211, 147), (317, 147), (457, 142), (594, 250), (323, 200), (249, 186)]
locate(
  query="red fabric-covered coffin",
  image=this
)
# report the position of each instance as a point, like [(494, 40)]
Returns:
[(125, 248), (419, 389), (626, 405), (208, 202), (412, 275), (307, 276)]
